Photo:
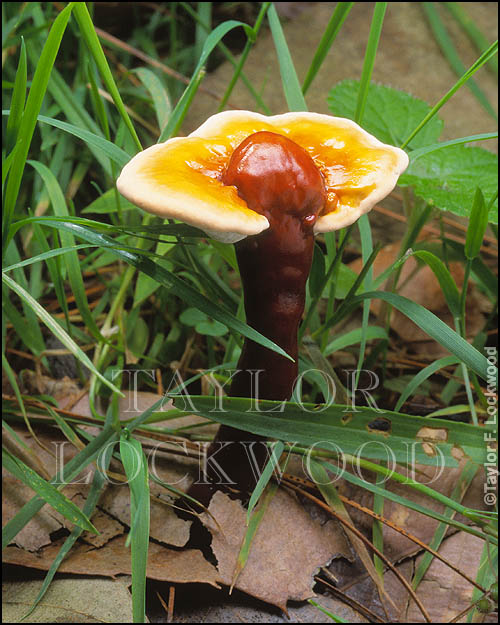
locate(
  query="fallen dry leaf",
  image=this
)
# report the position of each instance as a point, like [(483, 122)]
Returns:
[(36, 533), (65, 391), (107, 527), (444, 592), (287, 551), (397, 546), (165, 525), (81, 600), (164, 564)]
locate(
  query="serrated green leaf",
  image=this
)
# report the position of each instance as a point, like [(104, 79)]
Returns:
[(449, 177), (389, 114)]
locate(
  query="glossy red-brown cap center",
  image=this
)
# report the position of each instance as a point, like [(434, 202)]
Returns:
[(275, 176)]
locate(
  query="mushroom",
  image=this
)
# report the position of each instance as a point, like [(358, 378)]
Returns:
[(267, 184)]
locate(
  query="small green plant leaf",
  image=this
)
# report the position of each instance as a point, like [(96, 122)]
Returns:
[(389, 114), (202, 323), (448, 178), (192, 316)]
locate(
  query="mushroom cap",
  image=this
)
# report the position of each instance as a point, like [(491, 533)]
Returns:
[(181, 178)]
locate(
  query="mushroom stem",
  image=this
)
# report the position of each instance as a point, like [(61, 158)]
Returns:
[(274, 267), (278, 179)]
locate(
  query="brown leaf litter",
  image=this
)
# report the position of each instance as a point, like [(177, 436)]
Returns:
[(288, 549)]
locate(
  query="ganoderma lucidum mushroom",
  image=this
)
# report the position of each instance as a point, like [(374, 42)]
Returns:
[(267, 184)]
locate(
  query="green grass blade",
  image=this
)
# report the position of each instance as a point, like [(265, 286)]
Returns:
[(334, 617), (159, 95), (414, 154), (487, 576), (429, 323), (204, 14), (178, 286), (253, 526), (291, 85), (450, 52), (46, 491), (473, 32), (116, 154), (11, 376), (18, 100), (238, 70), (273, 462), (98, 101), (29, 119), (478, 222), (367, 250), (95, 142), (69, 472), (71, 258), (91, 39), (99, 482), (369, 62), (45, 255), (329, 491), (331, 31), (484, 58), (56, 329), (459, 490), (354, 337), (182, 106), (348, 427), (446, 281), (135, 465), (407, 503), (421, 376)]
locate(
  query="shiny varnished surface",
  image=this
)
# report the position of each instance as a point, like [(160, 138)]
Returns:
[(277, 178), (182, 178)]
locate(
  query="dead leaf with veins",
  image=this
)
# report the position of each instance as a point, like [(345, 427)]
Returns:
[(287, 551), (164, 564)]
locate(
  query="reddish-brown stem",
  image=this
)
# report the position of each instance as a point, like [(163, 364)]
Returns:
[(278, 179)]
